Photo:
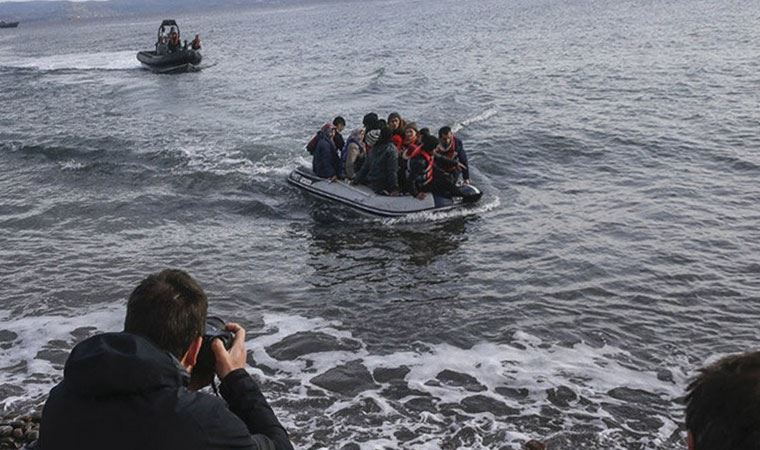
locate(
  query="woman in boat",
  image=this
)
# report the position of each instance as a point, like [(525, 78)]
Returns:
[(325, 163), (353, 150)]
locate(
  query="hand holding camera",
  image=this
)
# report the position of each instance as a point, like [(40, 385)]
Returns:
[(235, 357), (222, 351)]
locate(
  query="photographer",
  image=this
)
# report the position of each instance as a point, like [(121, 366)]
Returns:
[(133, 390)]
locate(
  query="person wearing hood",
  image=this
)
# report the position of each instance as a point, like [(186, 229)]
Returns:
[(139, 389), (326, 163), (380, 170), (353, 152)]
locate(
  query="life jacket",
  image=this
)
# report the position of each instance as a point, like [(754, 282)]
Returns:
[(453, 155), (427, 174)]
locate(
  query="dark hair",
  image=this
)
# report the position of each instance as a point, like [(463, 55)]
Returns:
[(425, 131), (339, 121), (429, 143), (370, 122), (723, 404), (443, 131), (385, 136), (169, 308)]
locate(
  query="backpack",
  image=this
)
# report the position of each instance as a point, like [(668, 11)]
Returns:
[(312, 145)]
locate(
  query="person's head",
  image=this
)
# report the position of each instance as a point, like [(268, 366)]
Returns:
[(445, 136), (385, 136), (357, 134), (340, 124), (370, 122), (394, 120), (328, 130), (429, 143), (410, 133), (723, 405), (371, 137), (169, 308), (424, 132)]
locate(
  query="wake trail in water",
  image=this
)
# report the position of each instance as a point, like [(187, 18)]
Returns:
[(482, 117), (123, 60)]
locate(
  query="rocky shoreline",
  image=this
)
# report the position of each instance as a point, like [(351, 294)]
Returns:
[(19, 431)]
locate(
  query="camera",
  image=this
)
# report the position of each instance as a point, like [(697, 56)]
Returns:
[(215, 329)]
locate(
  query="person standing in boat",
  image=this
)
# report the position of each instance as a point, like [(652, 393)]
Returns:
[(174, 42), (451, 148), (196, 43), (352, 151), (340, 125), (326, 163), (380, 170)]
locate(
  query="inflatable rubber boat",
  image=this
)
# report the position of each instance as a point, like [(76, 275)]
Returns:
[(168, 59), (363, 199)]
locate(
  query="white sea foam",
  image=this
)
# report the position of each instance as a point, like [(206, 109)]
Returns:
[(528, 364), (122, 60), (485, 115)]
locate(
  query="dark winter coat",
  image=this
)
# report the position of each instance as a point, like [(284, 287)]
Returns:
[(121, 392), (380, 170), (326, 162)]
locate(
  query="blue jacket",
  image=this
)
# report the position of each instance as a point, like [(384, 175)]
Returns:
[(326, 163)]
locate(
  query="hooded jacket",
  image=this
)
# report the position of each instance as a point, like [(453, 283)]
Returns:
[(120, 391), (326, 162)]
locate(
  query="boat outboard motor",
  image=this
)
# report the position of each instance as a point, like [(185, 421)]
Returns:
[(470, 194)]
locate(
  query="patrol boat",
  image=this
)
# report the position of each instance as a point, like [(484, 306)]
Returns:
[(162, 60), (364, 199)]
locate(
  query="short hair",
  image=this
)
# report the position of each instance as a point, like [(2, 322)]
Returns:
[(429, 143), (425, 131), (385, 136), (723, 404), (443, 131), (370, 121), (169, 308), (339, 121)]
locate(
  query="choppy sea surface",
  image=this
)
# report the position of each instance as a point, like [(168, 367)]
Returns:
[(616, 250)]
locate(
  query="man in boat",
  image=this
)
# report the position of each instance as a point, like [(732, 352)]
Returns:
[(174, 42), (723, 405), (326, 161), (196, 43), (451, 148), (425, 174), (380, 170), (137, 389), (340, 125)]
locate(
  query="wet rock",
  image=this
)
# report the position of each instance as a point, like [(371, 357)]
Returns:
[(348, 379), (263, 367), (18, 433), (385, 375), (83, 333), (351, 446), (482, 404), (561, 396), (6, 430), (9, 390), (397, 391), (32, 435), (635, 396), (55, 356), (421, 404), (517, 394), (468, 382), (405, 434), (7, 336), (464, 438), (304, 343)]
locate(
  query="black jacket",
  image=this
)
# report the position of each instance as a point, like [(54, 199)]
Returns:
[(119, 391)]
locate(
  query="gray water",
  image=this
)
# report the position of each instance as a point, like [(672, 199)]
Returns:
[(615, 250)]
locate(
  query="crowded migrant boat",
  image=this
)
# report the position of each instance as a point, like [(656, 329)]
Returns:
[(388, 167)]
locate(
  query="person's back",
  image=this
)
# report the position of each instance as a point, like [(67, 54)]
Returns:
[(125, 391), (380, 170), (723, 405)]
